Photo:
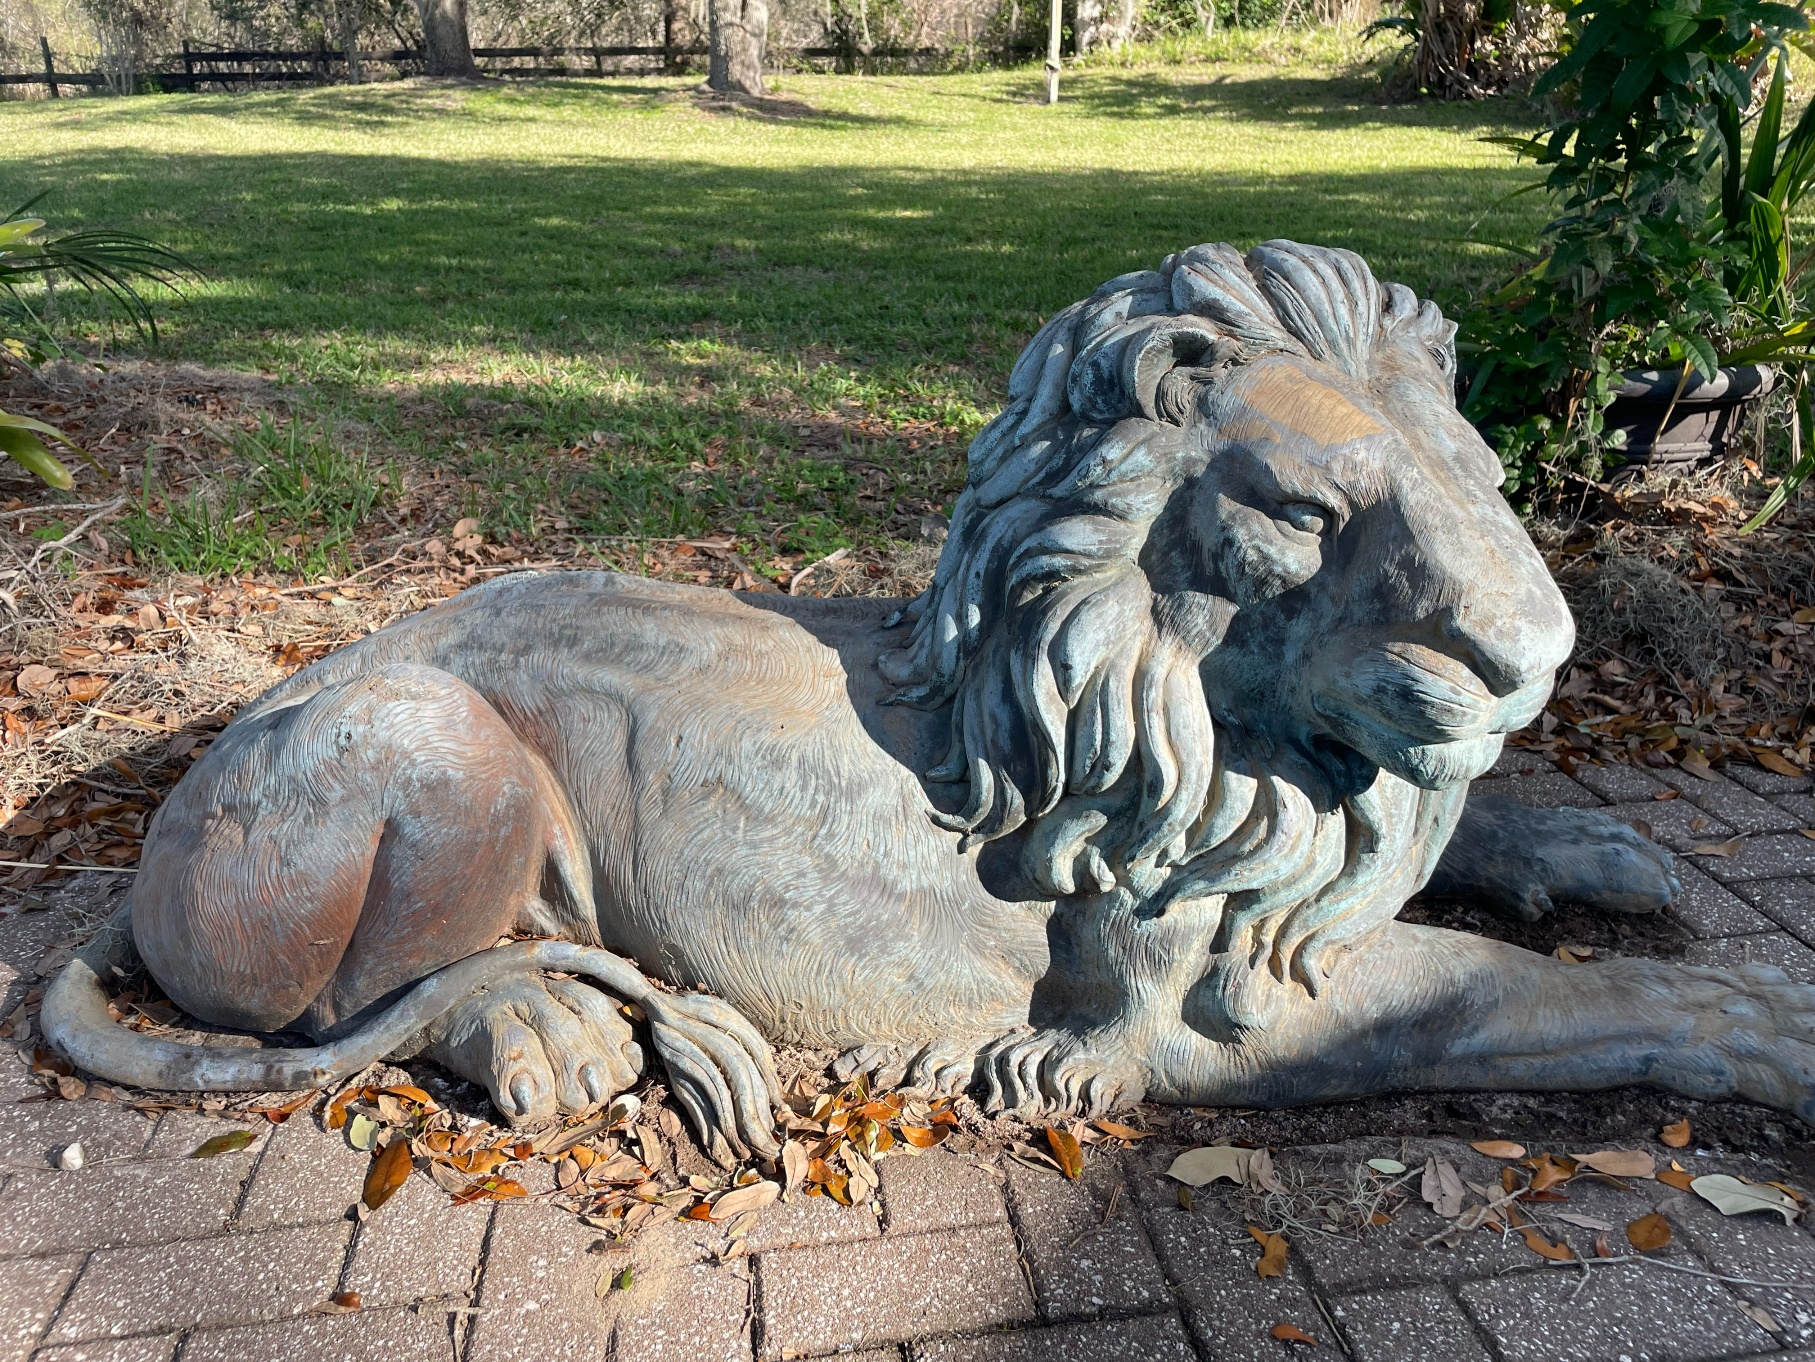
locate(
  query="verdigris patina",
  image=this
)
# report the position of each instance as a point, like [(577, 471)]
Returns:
[(1125, 803)]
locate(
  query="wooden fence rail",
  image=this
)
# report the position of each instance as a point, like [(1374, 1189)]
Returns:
[(200, 65)]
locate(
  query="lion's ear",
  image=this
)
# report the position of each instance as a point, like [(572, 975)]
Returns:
[(1119, 373)]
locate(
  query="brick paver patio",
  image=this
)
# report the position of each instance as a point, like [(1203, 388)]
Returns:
[(147, 1255)]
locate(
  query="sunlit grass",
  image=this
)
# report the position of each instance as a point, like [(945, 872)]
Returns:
[(714, 291)]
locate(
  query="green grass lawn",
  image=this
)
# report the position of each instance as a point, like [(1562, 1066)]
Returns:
[(785, 322)]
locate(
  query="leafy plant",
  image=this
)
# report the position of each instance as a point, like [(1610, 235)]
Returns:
[(1465, 49), (1644, 265), (20, 441), (1758, 199), (102, 261)]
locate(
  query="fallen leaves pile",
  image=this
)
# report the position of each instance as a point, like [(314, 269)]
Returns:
[(1529, 1200), (622, 1169), (1697, 644)]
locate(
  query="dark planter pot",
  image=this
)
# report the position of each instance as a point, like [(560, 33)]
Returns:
[(1701, 423)]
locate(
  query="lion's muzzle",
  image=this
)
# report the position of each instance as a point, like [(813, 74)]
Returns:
[(1419, 713)]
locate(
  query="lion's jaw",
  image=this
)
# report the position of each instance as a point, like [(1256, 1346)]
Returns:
[(1387, 599)]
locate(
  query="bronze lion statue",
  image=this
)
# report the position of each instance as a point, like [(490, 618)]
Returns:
[(1125, 804)]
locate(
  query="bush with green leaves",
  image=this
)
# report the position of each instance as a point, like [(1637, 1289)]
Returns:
[(1649, 261)]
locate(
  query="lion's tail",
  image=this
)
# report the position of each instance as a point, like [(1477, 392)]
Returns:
[(719, 1066)]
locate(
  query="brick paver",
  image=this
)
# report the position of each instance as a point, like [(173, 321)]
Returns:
[(30, 1291), (692, 1314), (149, 1255), (113, 1204), (369, 1336), (156, 1348), (1709, 909), (537, 1297), (1728, 800), (1552, 1316), (1425, 1324), (1788, 903), (940, 1191), (808, 1221), (418, 1246), (1769, 948), (232, 1279), (880, 1290), (1085, 1243), (304, 1177), (1158, 1338)]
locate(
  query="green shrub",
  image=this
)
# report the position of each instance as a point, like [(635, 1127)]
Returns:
[(1641, 265)]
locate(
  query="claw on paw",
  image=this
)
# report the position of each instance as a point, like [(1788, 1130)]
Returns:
[(546, 1045)]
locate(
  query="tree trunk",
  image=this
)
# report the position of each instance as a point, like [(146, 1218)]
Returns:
[(446, 48), (739, 34), (349, 41)]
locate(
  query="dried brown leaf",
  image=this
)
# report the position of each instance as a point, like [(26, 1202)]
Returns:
[(1209, 1163), (1272, 1261), (1066, 1150), (1291, 1333), (1676, 1134), (753, 1197), (279, 1114), (1120, 1131), (337, 1108), (794, 1164), (1776, 761), (1538, 1244), (1730, 847), (1499, 1149), (1550, 1170), (491, 1189), (1648, 1233), (389, 1170), (1620, 1163)]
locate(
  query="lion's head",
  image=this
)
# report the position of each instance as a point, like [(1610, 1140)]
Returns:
[(1229, 554)]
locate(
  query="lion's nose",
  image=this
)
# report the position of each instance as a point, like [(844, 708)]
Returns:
[(1514, 639)]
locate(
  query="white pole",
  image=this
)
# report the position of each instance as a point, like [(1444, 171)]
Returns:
[(1052, 51)]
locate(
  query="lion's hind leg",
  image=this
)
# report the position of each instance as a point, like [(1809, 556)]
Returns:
[(328, 853)]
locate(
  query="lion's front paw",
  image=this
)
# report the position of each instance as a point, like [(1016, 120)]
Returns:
[(1761, 1026), (1055, 1072), (1585, 856)]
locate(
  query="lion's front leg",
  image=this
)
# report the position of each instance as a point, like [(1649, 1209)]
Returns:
[(1419, 1007), (1522, 861), (1108, 1015)]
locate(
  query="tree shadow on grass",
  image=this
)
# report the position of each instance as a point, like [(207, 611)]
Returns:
[(885, 265), (705, 316), (393, 105), (1340, 103)]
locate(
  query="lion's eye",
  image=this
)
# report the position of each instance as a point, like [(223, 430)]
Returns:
[(1303, 516)]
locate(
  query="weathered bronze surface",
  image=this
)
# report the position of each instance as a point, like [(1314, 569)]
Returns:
[(1126, 803)]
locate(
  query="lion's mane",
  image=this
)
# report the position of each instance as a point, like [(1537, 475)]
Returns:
[(1066, 670)]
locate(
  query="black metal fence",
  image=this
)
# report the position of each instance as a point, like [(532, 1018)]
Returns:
[(237, 68)]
